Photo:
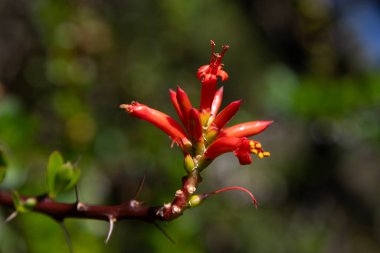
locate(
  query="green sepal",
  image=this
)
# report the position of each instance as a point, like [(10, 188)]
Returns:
[(3, 166), (23, 205)]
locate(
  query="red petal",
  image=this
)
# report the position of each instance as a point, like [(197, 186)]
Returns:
[(222, 74), (217, 102), (208, 91), (246, 129), (202, 71), (222, 145), (184, 105), (244, 157), (195, 125), (227, 113), (173, 98), (157, 118)]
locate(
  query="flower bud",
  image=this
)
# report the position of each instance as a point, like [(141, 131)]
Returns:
[(195, 200), (189, 163)]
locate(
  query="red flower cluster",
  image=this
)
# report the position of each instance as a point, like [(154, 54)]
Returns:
[(204, 135)]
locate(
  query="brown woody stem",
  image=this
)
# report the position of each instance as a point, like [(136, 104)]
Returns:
[(131, 209)]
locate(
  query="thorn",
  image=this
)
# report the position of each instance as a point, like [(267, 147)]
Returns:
[(11, 216), (112, 221), (67, 237), (76, 194), (164, 232), (139, 189)]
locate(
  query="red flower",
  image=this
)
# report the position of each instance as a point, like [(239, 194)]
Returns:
[(204, 136), (160, 120), (209, 74), (242, 148)]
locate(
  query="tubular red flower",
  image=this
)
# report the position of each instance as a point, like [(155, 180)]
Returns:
[(159, 119), (242, 148), (185, 105), (173, 98), (226, 114), (246, 129), (195, 125), (209, 74)]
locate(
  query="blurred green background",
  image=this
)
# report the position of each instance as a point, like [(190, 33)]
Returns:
[(310, 65)]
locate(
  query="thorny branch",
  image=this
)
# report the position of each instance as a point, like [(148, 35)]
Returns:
[(131, 209), (203, 136)]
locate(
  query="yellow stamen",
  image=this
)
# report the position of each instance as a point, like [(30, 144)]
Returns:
[(266, 154), (254, 151), (258, 145), (261, 155)]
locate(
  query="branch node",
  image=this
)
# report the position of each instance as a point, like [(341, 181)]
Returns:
[(134, 203), (81, 207), (179, 193), (191, 189), (176, 209)]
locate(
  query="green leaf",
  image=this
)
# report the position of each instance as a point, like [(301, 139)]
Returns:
[(66, 178), (61, 176), (54, 166), (3, 166)]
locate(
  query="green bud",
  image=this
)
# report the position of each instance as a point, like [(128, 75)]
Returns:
[(204, 115), (195, 200), (210, 135), (30, 203), (189, 163)]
